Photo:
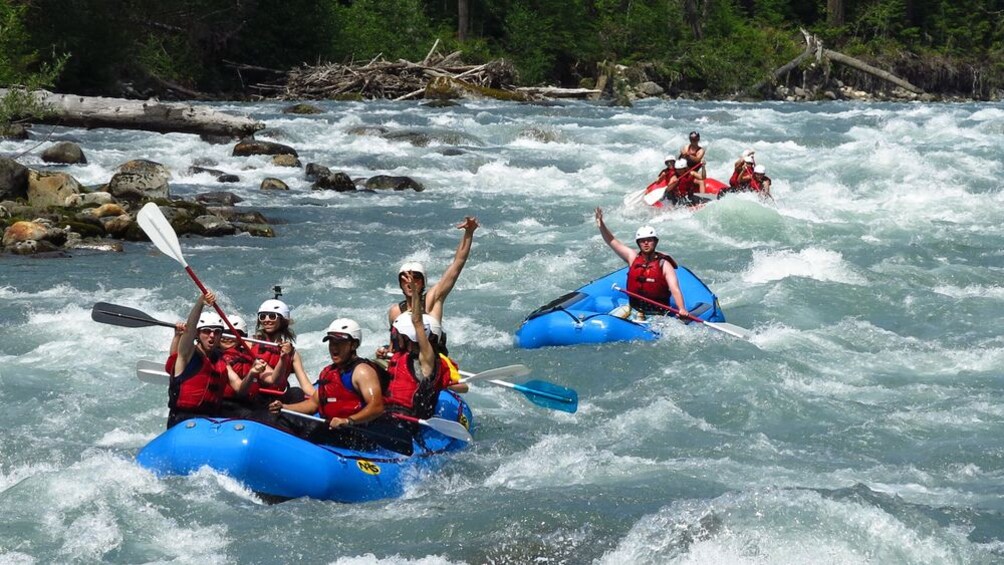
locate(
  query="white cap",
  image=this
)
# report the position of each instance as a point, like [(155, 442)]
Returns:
[(405, 327), (413, 266), (680, 164), (645, 231), (759, 169), (238, 323), (209, 320), (342, 329), (273, 305)]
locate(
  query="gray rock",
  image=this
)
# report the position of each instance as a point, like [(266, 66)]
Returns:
[(219, 198), (649, 88), (196, 170), (50, 188), (138, 186), (64, 152), (302, 109), (339, 182), (214, 226), (367, 130), (315, 171), (228, 178), (250, 147), (384, 182), (286, 160), (14, 132), (13, 179), (97, 197), (273, 184)]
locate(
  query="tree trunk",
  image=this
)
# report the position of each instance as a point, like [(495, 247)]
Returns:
[(866, 68), (463, 19), (149, 115), (692, 15), (835, 12)]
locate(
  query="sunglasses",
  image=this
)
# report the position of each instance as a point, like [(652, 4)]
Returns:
[(216, 331), (268, 316), (648, 240)]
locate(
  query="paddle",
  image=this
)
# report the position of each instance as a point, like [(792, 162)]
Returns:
[(116, 315), (393, 443), (153, 223), (448, 428), (543, 393), (730, 329), (658, 193), (152, 372), (509, 371)]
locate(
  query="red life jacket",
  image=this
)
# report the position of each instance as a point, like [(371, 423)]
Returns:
[(199, 388), (241, 362), (686, 185), (645, 277), (270, 354), (338, 398), (407, 393), (734, 180)]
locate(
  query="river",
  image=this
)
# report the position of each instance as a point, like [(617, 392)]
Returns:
[(864, 423)]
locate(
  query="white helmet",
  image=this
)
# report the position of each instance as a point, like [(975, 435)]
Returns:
[(680, 164), (209, 320), (645, 231), (435, 326), (273, 305), (759, 169), (342, 329), (748, 155), (413, 266), (405, 327), (238, 323), (670, 159)]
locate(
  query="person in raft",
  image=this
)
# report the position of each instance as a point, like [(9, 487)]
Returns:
[(349, 393), (198, 370), (651, 274), (761, 182), (436, 338), (694, 154), (434, 297), (417, 372), (246, 405), (275, 325), (682, 185), (742, 171)]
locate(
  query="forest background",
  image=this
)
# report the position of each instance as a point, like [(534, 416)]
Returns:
[(714, 48)]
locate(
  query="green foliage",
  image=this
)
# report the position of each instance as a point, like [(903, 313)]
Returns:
[(527, 36), (367, 28), (20, 71)]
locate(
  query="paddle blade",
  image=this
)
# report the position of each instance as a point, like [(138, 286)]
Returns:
[(634, 198), (731, 329), (507, 372), (550, 395), (116, 315), (153, 223), (448, 428)]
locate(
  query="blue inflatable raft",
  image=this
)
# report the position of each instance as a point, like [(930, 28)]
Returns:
[(583, 316), (282, 466)]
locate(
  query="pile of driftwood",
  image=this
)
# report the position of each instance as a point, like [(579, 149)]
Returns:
[(382, 79)]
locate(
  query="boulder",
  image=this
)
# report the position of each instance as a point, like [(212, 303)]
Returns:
[(367, 130), (248, 147), (219, 198), (649, 89), (196, 170), (23, 231), (140, 179), (103, 211), (14, 132), (302, 109), (234, 215), (315, 171), (50, 189), (228, 178), (273, 184), (64, 152), (286, 161), (13, 179), (98, 197), (384, 182), (213, 226), (339, 182), (256, 230), (118, 225)]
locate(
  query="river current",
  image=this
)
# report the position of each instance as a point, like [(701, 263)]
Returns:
[(864, 423)]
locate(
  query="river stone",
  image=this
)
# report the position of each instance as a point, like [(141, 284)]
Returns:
[(118, 225), (339, 182), (315, 171), (196, 170), (649, 88), (231, 214), (367, 130), (103, 211), (383, 182), (98, 197), (302, 108), (286, 160), (250, 147), (257, 230), (23, 231), (66, 153), (138, 186), (214, 226), (14, 132), (50, 188), (219, 198), (273, 184), (13, 179)]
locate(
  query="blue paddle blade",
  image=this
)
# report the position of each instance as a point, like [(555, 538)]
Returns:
[(550, 395)]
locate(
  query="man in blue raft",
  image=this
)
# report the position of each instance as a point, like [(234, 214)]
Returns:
[(652, 274)]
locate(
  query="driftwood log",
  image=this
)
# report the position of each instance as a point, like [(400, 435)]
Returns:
[(814, 47), (150, 115)]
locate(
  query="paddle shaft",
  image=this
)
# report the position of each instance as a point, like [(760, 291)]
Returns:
[(741, 333), (170, 325), (401, 443), (526, 390), (146, 374), (216, 307)]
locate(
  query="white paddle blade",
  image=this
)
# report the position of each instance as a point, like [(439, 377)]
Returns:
[(448, 428), (153, 223), (635, 198), (507, 372), (152, 377), (654, 196), (730, 329)]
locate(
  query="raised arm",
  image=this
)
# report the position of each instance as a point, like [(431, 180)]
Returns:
[(623, 251), (186, 344), (442, 288), (426, 355)]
